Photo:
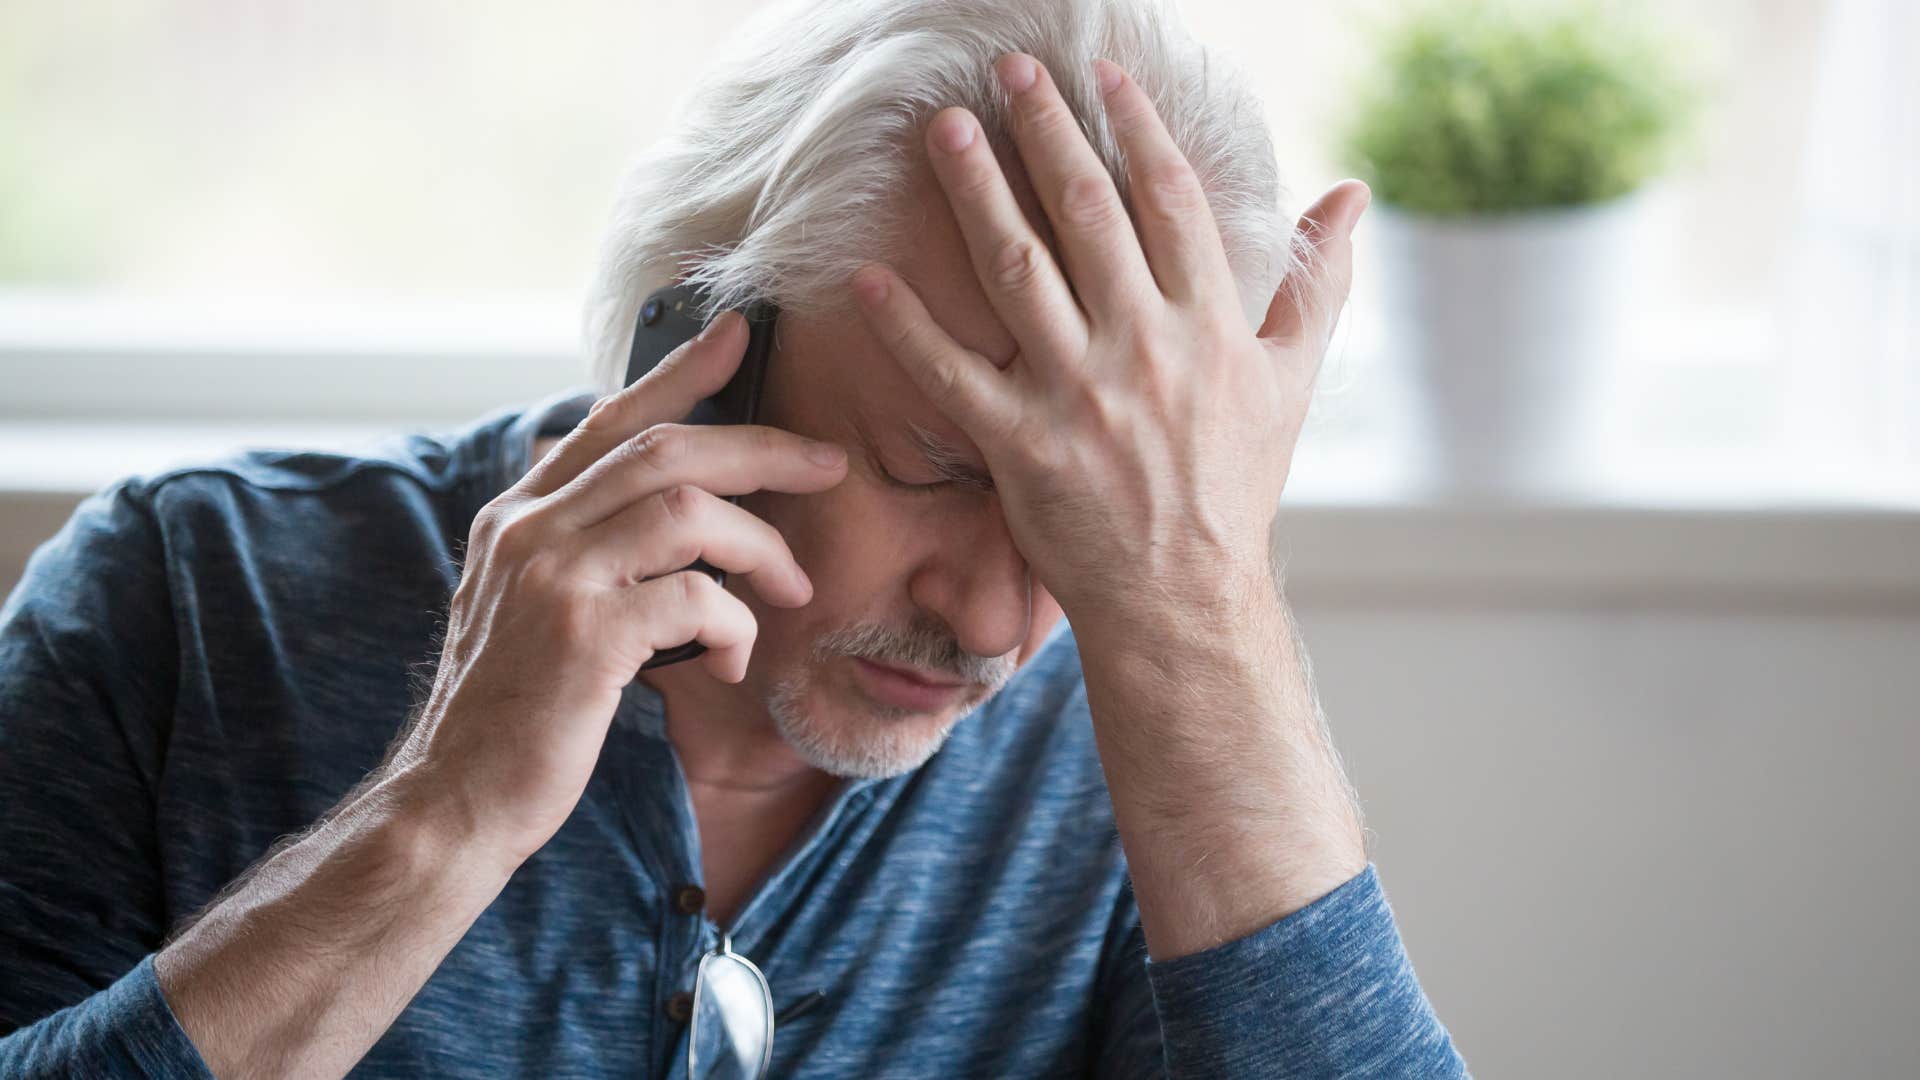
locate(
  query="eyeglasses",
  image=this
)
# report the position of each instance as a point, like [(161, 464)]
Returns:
[(736, 1037), (732, 1028)]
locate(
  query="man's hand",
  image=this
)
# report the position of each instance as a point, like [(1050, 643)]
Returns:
[(573, 579), (1139, 442), (1141, 437)]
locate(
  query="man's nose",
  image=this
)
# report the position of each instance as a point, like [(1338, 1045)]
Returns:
[(977, 581)]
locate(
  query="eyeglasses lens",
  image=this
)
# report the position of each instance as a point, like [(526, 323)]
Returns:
[(732, 1033)]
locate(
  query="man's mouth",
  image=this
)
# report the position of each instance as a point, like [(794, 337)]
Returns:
[(906, 688), (920, 675)]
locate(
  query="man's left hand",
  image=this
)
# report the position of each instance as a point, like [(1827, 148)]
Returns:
[(1141, 436)]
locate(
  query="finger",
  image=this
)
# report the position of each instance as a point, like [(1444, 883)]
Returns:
[(961, 383), (728, 459), (669, 611), (1307, 304), (1176, 226), (1104, 261), (668, 530), (1024, 284), (696, 370)]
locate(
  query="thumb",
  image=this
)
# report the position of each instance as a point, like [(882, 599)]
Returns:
[(961, 383)]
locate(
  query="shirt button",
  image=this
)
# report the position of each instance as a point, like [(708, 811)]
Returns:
[(689, 899), (680, 1007)]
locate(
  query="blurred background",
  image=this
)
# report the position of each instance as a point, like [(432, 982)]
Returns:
[(1605, 528)]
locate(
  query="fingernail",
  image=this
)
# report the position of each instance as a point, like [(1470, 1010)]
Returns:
[(713, 326), (1018, 73), (824, 453), (871, 285), (1108, 73), (955, 134)]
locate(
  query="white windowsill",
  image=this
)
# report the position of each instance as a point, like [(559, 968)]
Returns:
[(97, 391), (1349, 533)]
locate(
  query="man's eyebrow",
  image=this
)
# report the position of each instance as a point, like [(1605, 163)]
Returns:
[(949, 463)]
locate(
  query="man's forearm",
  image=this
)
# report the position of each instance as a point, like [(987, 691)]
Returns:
[(299, 969), (1231, 804)]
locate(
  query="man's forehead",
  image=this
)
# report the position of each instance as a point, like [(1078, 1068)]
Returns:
[(874, 397)]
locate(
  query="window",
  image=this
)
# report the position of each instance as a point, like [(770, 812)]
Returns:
[(386, 214)]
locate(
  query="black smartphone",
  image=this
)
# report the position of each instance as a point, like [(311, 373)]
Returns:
[(669, 318)]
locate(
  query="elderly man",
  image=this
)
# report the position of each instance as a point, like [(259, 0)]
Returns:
[(1002, 759)]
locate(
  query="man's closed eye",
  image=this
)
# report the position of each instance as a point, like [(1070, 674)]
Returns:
[(936, 485)]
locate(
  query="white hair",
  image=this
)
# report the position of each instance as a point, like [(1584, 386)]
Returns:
[(783, 168)]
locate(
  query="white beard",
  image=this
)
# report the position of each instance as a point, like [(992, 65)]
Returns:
[(891, 746), (884, 741)]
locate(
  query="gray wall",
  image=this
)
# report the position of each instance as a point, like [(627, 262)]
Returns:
[(1650, 842), (1642, 785)]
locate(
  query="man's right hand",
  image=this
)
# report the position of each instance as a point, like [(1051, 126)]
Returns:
[(572, 580), (574, 577)]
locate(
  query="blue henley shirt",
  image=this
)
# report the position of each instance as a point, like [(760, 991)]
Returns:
[(205, 660)]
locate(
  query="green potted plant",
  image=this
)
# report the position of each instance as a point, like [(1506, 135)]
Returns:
[(1509, 146)]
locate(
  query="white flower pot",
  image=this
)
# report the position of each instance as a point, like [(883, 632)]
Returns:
[(1503, 330)]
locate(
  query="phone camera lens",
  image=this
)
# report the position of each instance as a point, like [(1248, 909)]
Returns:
[(650, 311)]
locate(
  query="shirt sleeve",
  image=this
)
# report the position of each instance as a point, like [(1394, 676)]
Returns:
[(87, 663), (126, 1030), (1327, 991)]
